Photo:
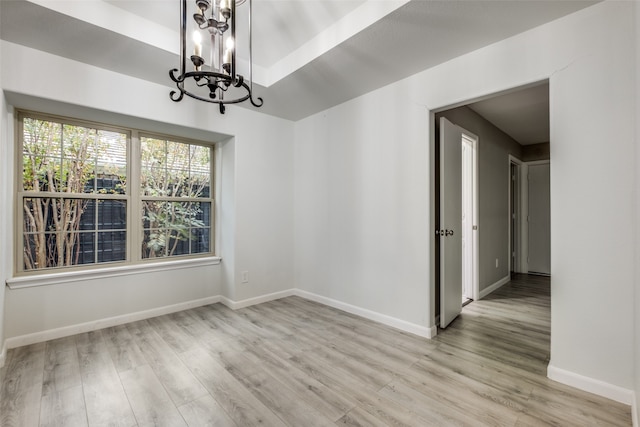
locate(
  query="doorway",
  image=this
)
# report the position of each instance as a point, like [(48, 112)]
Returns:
[(503, 216), (518, 208), (514, 213), (539, 242), (529, 213)]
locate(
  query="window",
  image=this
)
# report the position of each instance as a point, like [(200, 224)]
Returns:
[(175, 190), (77, 202)]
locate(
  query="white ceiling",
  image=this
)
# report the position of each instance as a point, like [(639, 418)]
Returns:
[(309, 55), (523, 114), (295, 21)]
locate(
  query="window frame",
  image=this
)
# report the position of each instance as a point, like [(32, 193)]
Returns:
[(133, 198), (141, 198)]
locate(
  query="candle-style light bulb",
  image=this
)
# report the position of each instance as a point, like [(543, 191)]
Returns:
[(197, 43), (225, 8), (229, 50)]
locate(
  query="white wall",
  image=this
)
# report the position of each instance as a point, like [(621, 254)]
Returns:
[(361, 205), (255, 209), (362, 177), (264, 206), (592, 285)]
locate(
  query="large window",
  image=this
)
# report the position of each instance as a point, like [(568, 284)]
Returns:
[(84, 199)]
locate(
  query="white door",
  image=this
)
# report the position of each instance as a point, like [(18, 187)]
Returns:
[(450, 231), (539, 219)]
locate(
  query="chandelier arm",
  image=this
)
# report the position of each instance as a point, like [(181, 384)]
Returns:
[(175, 98), (257, 102), (217, 101), (206, 74), (174, 78)]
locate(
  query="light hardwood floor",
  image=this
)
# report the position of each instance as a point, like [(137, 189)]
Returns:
[(297, 363)]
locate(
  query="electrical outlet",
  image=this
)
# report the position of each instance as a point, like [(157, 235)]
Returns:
[(245, 276), (496, 262)]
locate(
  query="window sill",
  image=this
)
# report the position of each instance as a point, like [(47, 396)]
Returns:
[(107, 272)]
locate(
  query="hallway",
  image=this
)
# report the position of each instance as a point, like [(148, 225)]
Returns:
[(499, 348)]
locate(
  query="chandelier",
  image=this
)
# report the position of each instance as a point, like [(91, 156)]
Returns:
[(214, 77)]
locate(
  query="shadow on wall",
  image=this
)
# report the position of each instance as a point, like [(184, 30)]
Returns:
[(534, 152)]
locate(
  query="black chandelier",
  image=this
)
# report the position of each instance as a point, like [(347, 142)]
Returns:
[(218, 76)]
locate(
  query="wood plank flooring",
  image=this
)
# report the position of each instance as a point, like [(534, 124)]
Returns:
[(293, 362)]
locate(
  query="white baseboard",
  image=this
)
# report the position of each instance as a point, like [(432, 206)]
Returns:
[(94, 325), (235, 305), (500, 283), (403, 325), (592, 385), (50, 334)]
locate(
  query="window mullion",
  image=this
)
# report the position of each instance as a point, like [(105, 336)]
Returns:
[(96, 233)]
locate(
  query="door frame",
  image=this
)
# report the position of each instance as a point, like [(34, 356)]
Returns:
[(475, 142), (522, 201)]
